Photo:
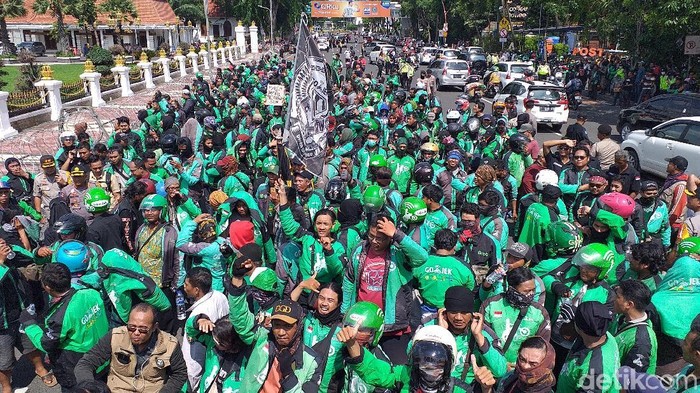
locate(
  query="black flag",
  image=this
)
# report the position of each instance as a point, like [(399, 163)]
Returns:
[(309, 104)]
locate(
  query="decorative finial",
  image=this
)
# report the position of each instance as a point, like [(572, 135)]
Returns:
[(178, 51), (119, 61), (161, 53), (89, 67), (189, 23), (240, 23), (252, 24), (221, 44), (191, 49), (144, 57)]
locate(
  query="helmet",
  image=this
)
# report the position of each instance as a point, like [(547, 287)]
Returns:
[(375, 97), (423, 173), (74, 254), (377, 161), (453, 129), (435, 349), (70, 223), (155, 201), (96, 200), (564, 238), (617, 203), (373, 198), (430, 146), (366, 315), (210, 122), (169, 143), (596, 255), (5, 185), (336, 190), (372, 124), (499, 105), (690, 245), (413, 210), (401, 95), (271, 164), (67, 135), (383, 107), (546, 177), (452, 115), (517, 143)]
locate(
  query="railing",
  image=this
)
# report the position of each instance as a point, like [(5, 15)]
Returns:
[(20, 102), (173, 66), (72, 91), (135, 75), (157, 69), (108, 82)]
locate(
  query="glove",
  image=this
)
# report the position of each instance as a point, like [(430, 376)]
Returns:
[(559, 289), (238, 270), (567, 312), (465, 236), (285, 360)]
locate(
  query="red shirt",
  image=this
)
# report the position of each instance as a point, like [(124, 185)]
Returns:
[(527, 185), (372, 276)]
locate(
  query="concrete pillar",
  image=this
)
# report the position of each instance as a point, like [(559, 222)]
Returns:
[(240, 36), (222, 53), (194, 58), (165, 63), (6, 129), (253, 38), (147, 68), (214, 56), (148, 40), (170, 37), (93, 80), (53, 87), (181, 64), (205, 57), (124, 81), (229, 51), (102, 38)]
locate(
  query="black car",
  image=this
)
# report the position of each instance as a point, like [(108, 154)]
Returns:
[(657, 110), (477, 62)]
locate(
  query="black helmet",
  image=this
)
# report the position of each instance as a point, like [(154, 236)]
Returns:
[(423, 173), (169, 143), (453, 129), (71, 223), (431, 366), (336, 191), (517, 143), (401, 95)]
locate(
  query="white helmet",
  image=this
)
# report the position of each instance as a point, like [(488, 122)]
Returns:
[(546, 177), (438, 334), (452, 115)]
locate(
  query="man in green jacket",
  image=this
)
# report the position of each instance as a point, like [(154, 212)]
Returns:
[(279, 361), (633, 331), (75, 320), (593, 360)]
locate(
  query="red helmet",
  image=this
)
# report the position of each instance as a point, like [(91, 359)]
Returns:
[(618, 203), (150, 186)]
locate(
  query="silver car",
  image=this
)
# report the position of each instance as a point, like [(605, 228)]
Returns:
[(450, 72)]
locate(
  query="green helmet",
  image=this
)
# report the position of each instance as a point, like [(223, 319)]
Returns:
[(355, 125), (564, 238), (368, 316), (372, 124), (271, 164), (377, 161), (375, 97), (413, 210), (596, 255), (689, 245), (155, 201), (96, 200), (373, 198)]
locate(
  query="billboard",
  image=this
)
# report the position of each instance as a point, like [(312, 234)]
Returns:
[(350, 9)]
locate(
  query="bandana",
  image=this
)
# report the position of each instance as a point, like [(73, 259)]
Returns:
[(517, 299), (539, 379)]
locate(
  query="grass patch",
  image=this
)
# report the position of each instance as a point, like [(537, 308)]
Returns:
[(68, 73)]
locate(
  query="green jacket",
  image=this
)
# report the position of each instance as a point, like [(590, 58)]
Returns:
[(306, 376), (441, 218), (403, 256), (328, 265), (401, 172), (637, 344), (209, 254), (501, 316), (323, 340), (440, 272), (590, 370), (360, 167), (12, 300)]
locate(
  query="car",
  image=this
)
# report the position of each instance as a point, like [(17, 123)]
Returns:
[(375, 51), (474, 49), (323, 44), (36, 47), (510, 70), (648, 149), (450, 72), (477, 62), (427, 55), (551, 105), (446, 54), (657, 110)]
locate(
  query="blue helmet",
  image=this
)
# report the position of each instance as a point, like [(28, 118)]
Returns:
[(74, 254), (5, 185)]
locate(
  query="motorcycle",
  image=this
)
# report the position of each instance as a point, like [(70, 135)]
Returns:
[(491, 91), (575, 100)]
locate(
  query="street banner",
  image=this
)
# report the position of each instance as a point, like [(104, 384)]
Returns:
[(274, 95), (307, 118), (350, 9)]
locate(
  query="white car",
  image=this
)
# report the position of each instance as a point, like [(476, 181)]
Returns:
[(427, 55), (510, 70), (375, 52), (323, 45), (551, 105), (446, 54), (450, 72), (649, 149)]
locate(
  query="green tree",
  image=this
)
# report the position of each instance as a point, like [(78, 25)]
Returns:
[(57, 9), (122, 11), (85, 11), (189, 10), (9, 9)]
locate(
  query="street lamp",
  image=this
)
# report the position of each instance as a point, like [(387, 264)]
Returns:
[(272, 43)]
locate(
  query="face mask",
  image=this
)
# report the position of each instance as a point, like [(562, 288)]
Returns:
[(517, 299), (599, 237), (486, 210), (646, 201), (371, 143), (401, 153), (467, 225)]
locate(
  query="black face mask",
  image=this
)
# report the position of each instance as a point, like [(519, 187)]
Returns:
[(599, 237), (646, 201), (517, 299), (487, 210), (400, 153)]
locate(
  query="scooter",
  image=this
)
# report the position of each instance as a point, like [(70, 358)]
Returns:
[(575, 100)]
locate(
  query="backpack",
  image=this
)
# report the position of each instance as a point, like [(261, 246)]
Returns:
[(57, 208)]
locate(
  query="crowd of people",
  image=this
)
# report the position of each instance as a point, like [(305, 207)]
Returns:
[(441, 249)]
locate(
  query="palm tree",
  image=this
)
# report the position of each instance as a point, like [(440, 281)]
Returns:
[(9, 9), (55, 7)]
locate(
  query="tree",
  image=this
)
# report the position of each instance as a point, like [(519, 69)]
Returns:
[(57, 9), (189, 10), (9, 9), (85, 11), (122, 11)]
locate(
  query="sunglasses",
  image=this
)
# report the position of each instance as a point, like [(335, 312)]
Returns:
[(142, 330), (596, 185), (580, 157)]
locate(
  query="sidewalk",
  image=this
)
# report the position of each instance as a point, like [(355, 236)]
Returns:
[(33, 142)]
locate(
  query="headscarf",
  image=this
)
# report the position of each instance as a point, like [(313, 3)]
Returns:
[(541, 378), (9, 161), (350, 212)]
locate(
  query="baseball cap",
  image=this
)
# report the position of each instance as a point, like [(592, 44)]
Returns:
[(305, 174), (679, 161), (77, 171), (249, 251), (526, 127), (581, 116), (520, 250), (47, 161), (287, 310), (264, 279)]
